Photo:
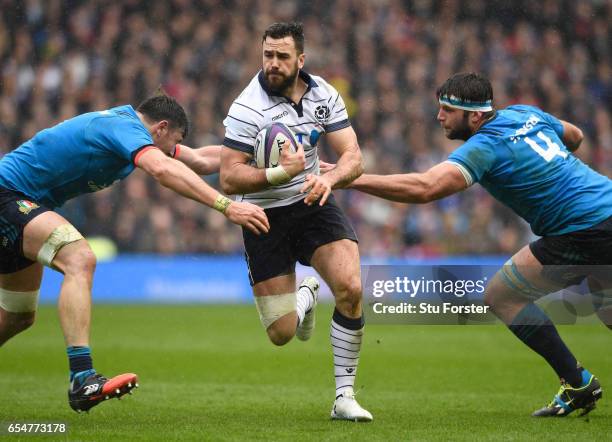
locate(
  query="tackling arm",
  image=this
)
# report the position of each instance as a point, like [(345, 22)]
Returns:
[(440, 181), (205, 160), (181, 179)]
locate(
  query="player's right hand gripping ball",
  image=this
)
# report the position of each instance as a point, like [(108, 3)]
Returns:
[(269, 143)]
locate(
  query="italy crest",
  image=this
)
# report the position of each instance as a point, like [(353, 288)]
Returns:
[(26, 206)]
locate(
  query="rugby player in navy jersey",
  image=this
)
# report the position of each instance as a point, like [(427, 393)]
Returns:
[(85, 154), (523, 157)]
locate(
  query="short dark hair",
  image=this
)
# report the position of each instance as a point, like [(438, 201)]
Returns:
[(163, 107), (468, 86), (283, 29)]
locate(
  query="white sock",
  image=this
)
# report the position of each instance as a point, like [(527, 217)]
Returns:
[(303, 303), (346, 343)]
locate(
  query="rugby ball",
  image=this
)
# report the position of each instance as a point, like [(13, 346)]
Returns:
[(269, 143)]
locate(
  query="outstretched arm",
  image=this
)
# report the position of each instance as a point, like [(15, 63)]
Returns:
[(181, 179), (204, 160), (440, 181)]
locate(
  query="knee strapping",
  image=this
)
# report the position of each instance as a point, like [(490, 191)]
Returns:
[(273, 307), (62, 235), (19, 302)]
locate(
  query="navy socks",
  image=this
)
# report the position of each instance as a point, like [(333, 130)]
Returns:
[(535, 329)]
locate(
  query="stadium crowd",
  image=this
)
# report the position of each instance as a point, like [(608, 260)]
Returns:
[(386, 57)]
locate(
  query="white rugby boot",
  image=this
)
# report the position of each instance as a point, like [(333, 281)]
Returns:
[(346, 408), (304, 330)]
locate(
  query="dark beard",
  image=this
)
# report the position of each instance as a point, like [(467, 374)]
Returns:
[(281, 87), (463, 132)]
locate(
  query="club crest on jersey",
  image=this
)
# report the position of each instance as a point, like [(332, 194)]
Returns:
[(321, 113), (26, 206)]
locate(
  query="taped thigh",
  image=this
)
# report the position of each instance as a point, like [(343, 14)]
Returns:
[(512, 277), (273, 307), (18, 302), (62, 235)]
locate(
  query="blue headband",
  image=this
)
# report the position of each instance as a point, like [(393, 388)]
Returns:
[(467, 105)]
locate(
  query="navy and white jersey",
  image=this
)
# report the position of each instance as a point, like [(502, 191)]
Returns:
[(80, 155), (320, 110), (520, 158)]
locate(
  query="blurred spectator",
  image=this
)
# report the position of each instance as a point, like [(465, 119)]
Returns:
[(59, 58)]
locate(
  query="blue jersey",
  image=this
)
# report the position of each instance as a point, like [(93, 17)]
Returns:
[(83, 154), (519, 158)]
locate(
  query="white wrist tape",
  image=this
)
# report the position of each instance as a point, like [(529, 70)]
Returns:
[(62, 235), (18, 302), (273, 307), (277, 175), (222, 203)]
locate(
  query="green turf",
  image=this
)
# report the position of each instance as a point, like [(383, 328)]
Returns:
[(208, 373)]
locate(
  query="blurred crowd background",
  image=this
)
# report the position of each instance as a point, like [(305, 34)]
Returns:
[(386, 57)]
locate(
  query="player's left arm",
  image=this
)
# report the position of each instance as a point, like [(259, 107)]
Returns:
[(204, 160), (572, 136), (442, 180), (347, 169)]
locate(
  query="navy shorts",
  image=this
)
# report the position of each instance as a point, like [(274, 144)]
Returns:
[(570, 258), (16, 210), (296, 231)]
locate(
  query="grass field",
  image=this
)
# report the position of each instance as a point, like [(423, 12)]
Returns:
[(208, 373)]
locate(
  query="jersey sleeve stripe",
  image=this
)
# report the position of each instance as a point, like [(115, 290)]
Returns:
[(337, 125), (250, 108), (242, 121), (138, 152), (237, 145), (464, 171)]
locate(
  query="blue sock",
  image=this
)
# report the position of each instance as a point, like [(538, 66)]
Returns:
[(534, 328), (586, 377), (81, 365)]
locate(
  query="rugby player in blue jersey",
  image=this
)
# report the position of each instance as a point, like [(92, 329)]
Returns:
[(85, 154), (523, 157)]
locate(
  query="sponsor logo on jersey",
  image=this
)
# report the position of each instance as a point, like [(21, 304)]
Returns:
[(26, 206), (279, 116)]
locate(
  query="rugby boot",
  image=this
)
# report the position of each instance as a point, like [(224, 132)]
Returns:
[(570, 399), (346, 408), (96, 388)]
